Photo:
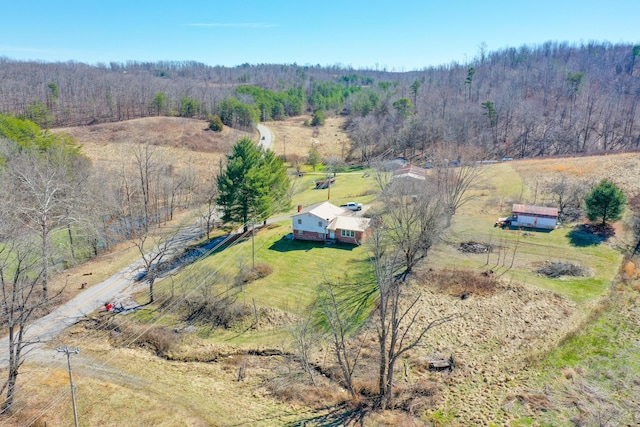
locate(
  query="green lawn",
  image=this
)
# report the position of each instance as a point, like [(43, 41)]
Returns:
[(517, 254), (298, 266), (353, 186)]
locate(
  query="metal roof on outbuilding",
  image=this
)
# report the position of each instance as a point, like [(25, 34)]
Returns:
[(410, 172), (539, 211)]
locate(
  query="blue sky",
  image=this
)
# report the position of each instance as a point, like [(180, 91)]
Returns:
[(400, 35)]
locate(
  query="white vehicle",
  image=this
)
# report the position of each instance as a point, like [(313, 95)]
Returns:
[(353, 206)]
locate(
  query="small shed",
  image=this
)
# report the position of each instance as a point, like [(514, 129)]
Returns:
[(323, 184), (410, 172), (534, 216)]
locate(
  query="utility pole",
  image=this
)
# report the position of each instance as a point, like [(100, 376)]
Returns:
[(253, 246), (330, 177), (68, 352)]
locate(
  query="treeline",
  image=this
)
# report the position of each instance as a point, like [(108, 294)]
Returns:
[(550, 99), (53, 196)]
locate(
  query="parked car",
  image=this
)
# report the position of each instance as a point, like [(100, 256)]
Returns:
[(352, 206)]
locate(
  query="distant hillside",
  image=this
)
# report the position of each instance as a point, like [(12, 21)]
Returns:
[(551, 99), (161, 131)]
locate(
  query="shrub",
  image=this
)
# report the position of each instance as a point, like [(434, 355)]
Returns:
[(251, 274), (157, 338), (461, 283), (318, 118), (215, 124), (222, 312)]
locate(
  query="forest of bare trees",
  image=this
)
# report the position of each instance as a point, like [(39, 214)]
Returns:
[(550, 99)]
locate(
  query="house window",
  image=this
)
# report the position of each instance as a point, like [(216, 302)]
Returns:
[(348, 233), (319, 223), (299, 221)]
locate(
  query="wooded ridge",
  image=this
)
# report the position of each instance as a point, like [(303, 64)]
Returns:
[(551, 99)]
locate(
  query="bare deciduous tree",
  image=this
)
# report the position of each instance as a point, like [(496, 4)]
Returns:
[(338, 318), (21, 274), (207, 195), (155, 247), (42, 195), (414, 217), (147, 167), (395, 316), (306, 338), (456, 171)]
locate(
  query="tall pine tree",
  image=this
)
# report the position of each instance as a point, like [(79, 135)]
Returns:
[(253, 185)]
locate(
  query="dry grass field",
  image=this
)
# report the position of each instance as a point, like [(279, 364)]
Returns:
[(513, 340), (182, 142), (291, 136)]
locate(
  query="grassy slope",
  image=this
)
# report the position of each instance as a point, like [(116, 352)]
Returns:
[(517, 254), (288, 289), (192, 394)]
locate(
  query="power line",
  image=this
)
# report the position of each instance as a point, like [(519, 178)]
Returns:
[(163, 312)]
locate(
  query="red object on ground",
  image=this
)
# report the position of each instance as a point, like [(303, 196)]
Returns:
[(108, 306)]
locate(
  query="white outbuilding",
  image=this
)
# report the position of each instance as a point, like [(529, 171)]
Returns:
[(534, 217)]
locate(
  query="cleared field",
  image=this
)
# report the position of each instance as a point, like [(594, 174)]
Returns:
[(516, 254), (291, 136), (520, 356)]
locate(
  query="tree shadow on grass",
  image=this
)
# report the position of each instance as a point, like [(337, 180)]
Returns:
[(584, 235), (342, 414), (287, 245)]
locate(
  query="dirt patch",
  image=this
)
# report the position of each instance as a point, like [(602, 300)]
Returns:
[(590, 234), (460, 283), (600, 231)]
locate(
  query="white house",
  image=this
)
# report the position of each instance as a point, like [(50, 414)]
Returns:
[(327, 221), (311, 223)]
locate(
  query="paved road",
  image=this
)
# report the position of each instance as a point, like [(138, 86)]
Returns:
[(48, 327), (266, 137), (117, 287)]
